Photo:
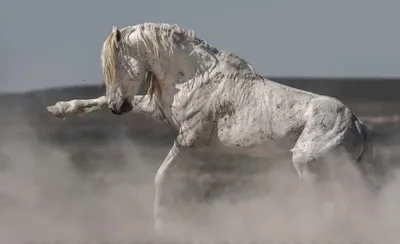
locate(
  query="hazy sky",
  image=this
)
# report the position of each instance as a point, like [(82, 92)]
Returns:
[(47, 43)]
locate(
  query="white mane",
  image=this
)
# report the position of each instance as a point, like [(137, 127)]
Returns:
[(163, 36), (166, 37)]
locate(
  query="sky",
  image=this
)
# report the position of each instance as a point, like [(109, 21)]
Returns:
[(51, 43)]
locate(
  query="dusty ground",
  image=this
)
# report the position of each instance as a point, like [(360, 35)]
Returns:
[(83, 181), (43, 197)]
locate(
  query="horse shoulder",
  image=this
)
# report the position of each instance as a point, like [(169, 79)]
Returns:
[(190, 113)]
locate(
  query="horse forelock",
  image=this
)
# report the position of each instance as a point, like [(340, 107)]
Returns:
[(109, 57), (109, 60)]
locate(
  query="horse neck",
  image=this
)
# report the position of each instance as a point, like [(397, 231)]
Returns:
[(182, 65)]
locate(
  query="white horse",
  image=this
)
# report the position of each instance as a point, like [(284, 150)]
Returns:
[(213, 98)]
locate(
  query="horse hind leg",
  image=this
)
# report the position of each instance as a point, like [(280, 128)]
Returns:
[(311, 159)]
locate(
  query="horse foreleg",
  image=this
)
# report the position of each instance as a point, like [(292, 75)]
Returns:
[(163, 197), (63, 109), (140, 104)]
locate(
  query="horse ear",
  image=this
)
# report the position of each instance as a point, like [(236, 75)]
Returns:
[(117, 33)]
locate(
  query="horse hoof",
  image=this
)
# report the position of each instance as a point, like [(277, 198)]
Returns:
[(55, 111)]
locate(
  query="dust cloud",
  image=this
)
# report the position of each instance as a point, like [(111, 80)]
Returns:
[(47, 198)]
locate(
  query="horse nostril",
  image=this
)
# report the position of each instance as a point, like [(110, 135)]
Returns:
[(126, 106), (113, 111)]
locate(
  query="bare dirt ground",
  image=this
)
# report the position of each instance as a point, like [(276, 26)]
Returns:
[(87, 180)]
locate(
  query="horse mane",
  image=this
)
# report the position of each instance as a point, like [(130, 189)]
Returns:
[(162, 36), (155, 37), (154, 85)]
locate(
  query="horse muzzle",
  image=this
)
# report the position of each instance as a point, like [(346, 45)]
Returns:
[(120, 108)]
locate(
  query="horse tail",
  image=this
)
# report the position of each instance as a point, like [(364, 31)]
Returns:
[(367, 153), (370, 166)]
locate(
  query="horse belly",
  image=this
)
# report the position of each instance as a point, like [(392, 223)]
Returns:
[(240, 136), (246, 137)]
